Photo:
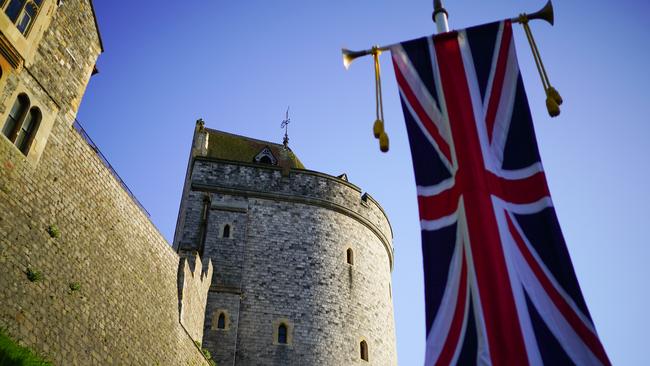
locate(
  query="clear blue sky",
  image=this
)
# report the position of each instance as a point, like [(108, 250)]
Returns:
[(238, 64)]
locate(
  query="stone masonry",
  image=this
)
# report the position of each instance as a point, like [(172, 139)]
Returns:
[(108, 292), (284, 261)]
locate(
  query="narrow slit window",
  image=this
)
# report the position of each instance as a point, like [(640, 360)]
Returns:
[(363, 346), (350, 256), (221, 322), (226, 231), (282, 334)]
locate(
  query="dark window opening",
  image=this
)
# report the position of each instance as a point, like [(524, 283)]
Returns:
[(22, 13), (266, 160), (13, 9), (282, 334), (221, 322), (350, 256), (226, 231), (22, 123), (364, 350), (28, 130), (16, 114)]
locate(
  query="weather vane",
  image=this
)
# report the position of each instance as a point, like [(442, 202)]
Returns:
[(285, 125)]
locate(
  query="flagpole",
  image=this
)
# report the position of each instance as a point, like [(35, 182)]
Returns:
[(440, 16)]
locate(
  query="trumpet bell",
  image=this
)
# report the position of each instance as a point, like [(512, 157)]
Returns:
[(545, 13), (349, 56)]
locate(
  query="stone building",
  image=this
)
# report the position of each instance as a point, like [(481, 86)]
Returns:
[(85, 277), (302, 260)]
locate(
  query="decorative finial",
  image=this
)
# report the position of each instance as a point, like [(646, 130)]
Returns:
[(200, 124), (285, 125)]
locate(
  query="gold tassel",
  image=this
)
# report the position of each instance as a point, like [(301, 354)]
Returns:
[(378, 128), (383, 142), (552, 106), (553, 98), (553, 93)]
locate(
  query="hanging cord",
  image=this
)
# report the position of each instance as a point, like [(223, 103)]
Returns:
[(378, 127), (553, 98)]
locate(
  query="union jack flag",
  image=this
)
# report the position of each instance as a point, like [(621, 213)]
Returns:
[(499, 284)]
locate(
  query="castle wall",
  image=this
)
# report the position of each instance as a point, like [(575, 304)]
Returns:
[(125, 311), (108, 291), (193, 288), (285, 261)]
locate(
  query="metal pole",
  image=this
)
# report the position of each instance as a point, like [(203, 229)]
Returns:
[(440, 17)]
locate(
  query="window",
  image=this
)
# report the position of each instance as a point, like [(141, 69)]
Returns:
[(221, 323), (350, 256), (266, 160), (22, 13), (220, 320), (27, 131), (265, 157), (22, 123), (363, 347), (282, 334), (16, 114), (226, 231)]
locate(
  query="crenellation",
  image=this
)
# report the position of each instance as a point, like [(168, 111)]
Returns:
[(194, 282)]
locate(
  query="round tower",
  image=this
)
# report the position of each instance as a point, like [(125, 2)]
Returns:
[(302, 260)]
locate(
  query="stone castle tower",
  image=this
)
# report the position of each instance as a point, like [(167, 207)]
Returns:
[(302, 260)]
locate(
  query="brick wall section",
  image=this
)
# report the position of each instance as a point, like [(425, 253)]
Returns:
[(286, 259), (125, 311)]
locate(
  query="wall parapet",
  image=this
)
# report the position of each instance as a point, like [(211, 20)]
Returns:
[(300, 186), (82, 132), (193, 285)]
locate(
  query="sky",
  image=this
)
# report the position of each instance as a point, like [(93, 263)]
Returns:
[(239, 64)]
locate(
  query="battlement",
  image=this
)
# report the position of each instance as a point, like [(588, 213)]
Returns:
[(299, 185), (193, 285)]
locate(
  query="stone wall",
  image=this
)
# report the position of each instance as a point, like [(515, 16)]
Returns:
[(193, 285), (285, 261), (108, 292)]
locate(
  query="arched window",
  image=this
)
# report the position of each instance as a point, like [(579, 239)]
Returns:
[(363, 347), (282, 333), (221, 322), (226, 231), (16, 114), (350, 256), (22, 13), (28, 130)]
